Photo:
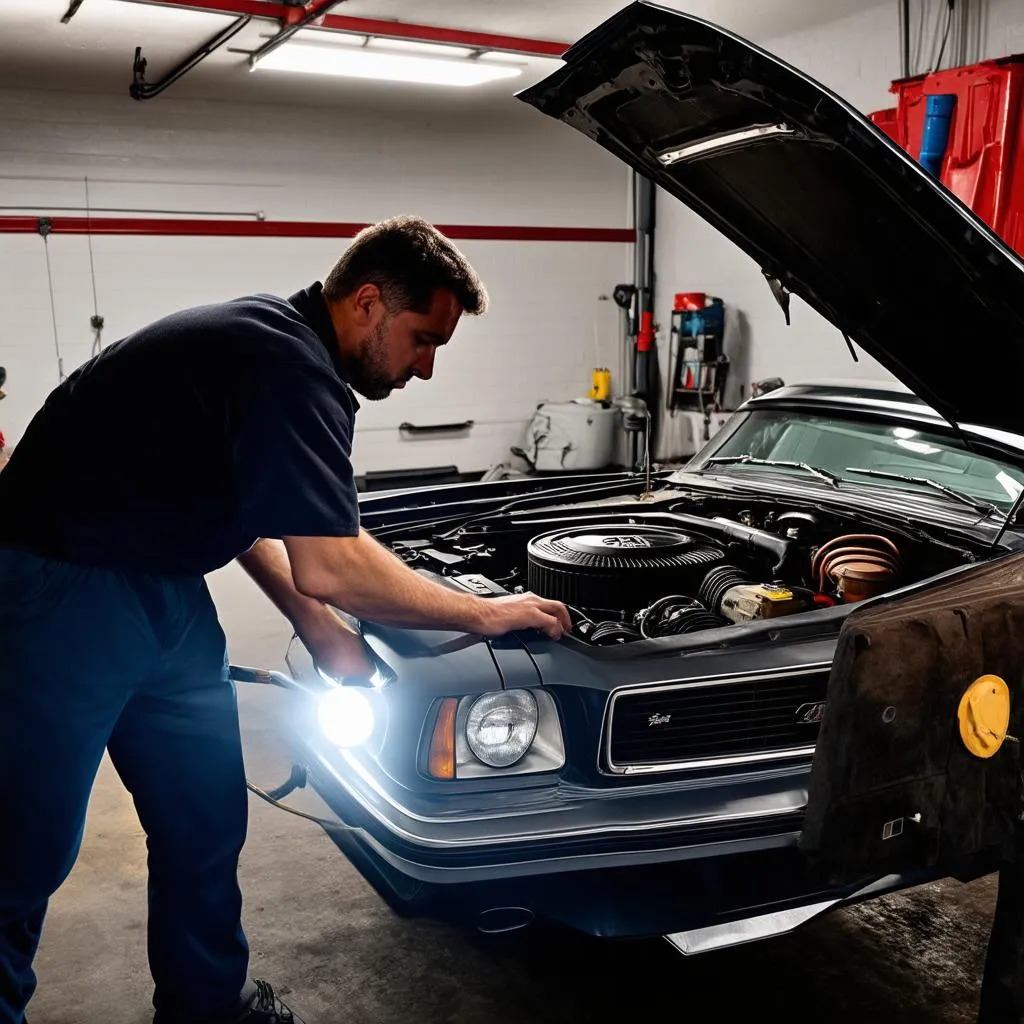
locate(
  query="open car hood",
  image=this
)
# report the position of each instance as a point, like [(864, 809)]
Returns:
[(825, 203)]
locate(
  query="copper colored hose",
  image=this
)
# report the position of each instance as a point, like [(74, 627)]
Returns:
[(867, 553)]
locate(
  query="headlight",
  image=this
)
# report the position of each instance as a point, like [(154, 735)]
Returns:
[(501, 727), (506, 732), (345, 716)]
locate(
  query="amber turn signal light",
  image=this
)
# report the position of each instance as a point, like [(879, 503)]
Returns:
[(441, 762)]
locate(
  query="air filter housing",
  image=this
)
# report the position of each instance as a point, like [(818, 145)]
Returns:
[(617, 566)]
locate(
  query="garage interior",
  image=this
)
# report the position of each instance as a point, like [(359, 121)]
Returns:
[(162, 154)]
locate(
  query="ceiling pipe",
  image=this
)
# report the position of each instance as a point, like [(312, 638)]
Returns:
[(26, 208), (315, 12), (71, 11), (288, 15), (140, 89), (22, 225)]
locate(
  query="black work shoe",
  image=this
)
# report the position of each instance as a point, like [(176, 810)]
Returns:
[(267, 1008)]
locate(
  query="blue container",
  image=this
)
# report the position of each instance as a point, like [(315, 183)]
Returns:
[(709, 320), (935, 137)]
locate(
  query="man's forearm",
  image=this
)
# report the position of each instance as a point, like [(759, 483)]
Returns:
[(366, 580), (267, 563)]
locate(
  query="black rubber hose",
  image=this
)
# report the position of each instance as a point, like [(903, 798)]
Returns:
[(717, 583)]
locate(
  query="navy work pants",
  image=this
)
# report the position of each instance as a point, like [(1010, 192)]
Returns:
[(131, 663), (1002, 986)]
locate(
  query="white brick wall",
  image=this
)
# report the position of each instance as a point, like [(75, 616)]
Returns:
[(857, 57), (546, 328)]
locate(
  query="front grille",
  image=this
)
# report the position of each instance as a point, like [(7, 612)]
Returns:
[(702, 721)]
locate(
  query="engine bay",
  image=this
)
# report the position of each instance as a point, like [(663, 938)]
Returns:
[(629, 573)]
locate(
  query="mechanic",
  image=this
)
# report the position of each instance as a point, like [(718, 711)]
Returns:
[(1002, 985), (221, 432)]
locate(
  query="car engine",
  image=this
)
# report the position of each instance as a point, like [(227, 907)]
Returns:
[(629, 575)]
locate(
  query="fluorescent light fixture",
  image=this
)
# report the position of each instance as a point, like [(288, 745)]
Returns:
[(346, 62), (337, 39), (415, 46), (506, 57), (728, 140)]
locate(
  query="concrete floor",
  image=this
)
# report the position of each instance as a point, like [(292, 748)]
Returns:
[(319, 933)]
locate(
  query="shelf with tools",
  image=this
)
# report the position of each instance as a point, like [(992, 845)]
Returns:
[(699, 368)]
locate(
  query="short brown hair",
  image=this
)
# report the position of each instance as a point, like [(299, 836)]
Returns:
[(408, 259)]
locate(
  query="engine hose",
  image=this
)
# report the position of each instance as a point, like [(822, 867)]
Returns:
[(863, 549), (782, 550), (610, 632), (676, 615), (717, 583)]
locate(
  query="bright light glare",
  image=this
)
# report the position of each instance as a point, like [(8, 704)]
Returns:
[(918, 446), (519, 59), (423, 49), (345, 716), (1010, 485), (337, 38), (904, 432), (394, 67)]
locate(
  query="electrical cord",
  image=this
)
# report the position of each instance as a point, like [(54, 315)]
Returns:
[(294, 782), (904, 22), (324, 822), (53, 305), (950, 5), (96, 321)]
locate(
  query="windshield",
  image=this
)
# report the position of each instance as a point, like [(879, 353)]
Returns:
[(837, 445)]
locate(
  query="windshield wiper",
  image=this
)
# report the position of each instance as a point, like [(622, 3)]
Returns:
[(823, 474), (976, 503)]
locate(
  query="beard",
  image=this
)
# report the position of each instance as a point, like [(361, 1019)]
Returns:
[(368, 371)]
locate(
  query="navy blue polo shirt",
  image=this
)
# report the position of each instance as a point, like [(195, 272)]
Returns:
[(179, 446)]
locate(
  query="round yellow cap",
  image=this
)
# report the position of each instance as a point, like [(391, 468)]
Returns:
[(984, 715)]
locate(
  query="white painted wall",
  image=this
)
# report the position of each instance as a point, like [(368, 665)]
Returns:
[(544, 332), (857, 57)]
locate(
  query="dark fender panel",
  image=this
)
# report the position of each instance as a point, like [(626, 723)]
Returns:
[(890, 747)]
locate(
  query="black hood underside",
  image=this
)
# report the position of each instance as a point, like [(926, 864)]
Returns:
[(820, 198)]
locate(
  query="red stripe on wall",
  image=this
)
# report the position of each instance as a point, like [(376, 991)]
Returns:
[(297, 229)]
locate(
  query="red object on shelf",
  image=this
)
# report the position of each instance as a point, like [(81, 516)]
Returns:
[(984, 161), (690, 300), (645, 339)]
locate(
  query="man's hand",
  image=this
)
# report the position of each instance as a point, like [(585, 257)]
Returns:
[(500, 615), (370, 583), (338, 652)]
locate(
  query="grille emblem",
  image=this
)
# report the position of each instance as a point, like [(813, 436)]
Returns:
[(810, 714), (658, 720)]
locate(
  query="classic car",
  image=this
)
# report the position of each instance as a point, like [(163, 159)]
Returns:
[(649, 773)]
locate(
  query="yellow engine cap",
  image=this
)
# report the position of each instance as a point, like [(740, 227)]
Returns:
[(984, 715)]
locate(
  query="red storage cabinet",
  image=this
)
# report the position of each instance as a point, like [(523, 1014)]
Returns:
[(984, 161)]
